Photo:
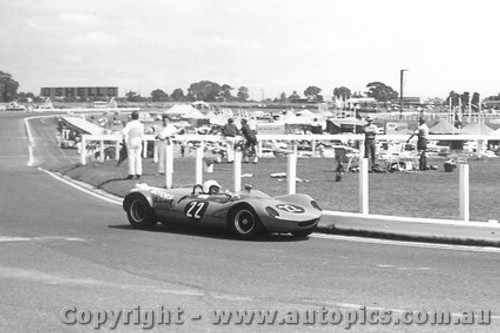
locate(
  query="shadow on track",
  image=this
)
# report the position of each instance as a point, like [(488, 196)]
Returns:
[(210, 232)]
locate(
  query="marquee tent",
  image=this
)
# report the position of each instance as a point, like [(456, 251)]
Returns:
[(480, 128), (444, 127)]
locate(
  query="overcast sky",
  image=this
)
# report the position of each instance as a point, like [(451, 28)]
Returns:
[(269, 46)]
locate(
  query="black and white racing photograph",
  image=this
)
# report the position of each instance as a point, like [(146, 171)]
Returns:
[(249, 166)]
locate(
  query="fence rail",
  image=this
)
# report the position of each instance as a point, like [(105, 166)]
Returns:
[(116, 139)]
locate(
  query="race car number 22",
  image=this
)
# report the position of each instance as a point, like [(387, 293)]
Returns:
[(196, 209)]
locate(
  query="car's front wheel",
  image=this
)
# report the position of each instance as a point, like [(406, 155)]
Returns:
[(140, 214), (244, 222)]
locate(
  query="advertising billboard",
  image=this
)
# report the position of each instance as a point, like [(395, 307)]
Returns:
[(85, 92)]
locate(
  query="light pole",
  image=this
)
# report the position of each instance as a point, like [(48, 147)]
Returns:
[(401, 73)]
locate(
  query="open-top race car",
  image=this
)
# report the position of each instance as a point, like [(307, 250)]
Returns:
[(245, 213)]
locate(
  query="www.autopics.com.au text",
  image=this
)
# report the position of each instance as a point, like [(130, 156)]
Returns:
[(161, 315)]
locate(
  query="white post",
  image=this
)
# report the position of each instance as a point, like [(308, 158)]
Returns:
[(362, 149), (101, 151), (155, 153), (199, 165), (237, 170), (169, 166), (295, 148), (363, 186), (170, 153), (117, 149), (83, 151), (259, 149), (464, 191), (292, 173)]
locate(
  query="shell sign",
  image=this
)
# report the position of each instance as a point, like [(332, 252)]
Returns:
[(79, 92)]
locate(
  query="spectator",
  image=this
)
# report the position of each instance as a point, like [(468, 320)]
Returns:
[(370, 144), (422, 132), (250, 142), (164, 133), (133, 133), (230, 131)]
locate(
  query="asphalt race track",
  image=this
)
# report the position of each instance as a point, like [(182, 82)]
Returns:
[(65, 254)]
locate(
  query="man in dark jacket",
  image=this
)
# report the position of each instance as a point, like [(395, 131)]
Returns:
[(230, 131), (251, 141)]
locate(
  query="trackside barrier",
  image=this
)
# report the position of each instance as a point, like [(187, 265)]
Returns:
[(237, 170), (488, 232), (363, 186), (169, 165), (464, 192), (199, 165), (292, 173)]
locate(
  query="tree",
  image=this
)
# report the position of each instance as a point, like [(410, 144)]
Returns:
[(312, 93), (381, 92), (357, 94), (342, 93), (159, 95), (465, 99), (8, 87), (177, 95), (475, 101), (27, 97), (293, 96), (243, 94), (206, 91), (132, 96), (453, 97), (283, 98), (226, 92)]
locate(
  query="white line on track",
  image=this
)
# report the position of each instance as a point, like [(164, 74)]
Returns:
[(8, 239), (88, 191), (407, 243)]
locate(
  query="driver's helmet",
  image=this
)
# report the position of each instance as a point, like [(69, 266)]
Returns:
[(211, 187)]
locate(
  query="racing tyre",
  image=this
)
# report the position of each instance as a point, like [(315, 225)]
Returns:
[(140, 214), (244, 223), (303, 233)]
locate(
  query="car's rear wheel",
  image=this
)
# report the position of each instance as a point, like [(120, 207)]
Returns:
[(244, 222), (303, 233), (140, 214)]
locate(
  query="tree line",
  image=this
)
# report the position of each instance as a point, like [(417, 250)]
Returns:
[(209, 91)]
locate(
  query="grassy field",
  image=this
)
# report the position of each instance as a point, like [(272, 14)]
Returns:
[(425, 194)]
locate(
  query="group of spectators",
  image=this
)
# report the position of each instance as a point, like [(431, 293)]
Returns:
[(134, 131)]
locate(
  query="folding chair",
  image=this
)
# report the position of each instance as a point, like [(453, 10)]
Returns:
[(391, 156)]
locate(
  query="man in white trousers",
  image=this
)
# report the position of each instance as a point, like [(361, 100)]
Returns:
[(230, 131), (133, 133)]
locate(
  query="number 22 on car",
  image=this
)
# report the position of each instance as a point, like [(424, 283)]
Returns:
[(195, 210)]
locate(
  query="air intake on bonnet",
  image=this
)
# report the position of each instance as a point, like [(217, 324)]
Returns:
[(307, 223)]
